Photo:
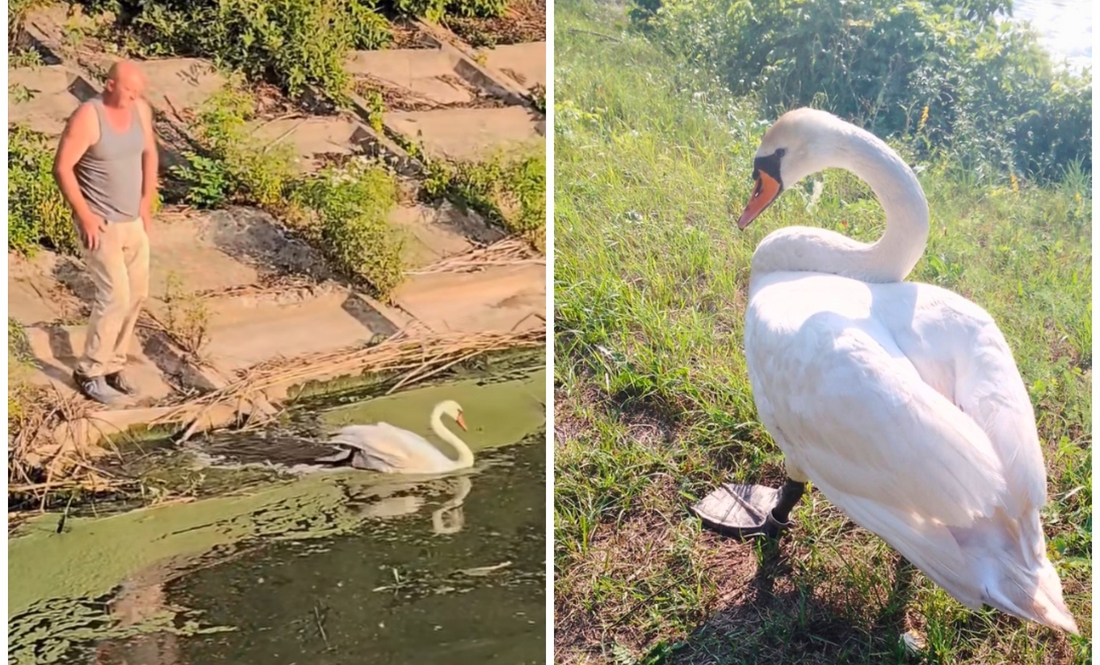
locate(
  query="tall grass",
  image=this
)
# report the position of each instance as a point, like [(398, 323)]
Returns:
[(654, 408)]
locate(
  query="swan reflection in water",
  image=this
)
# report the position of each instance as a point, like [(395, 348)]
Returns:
[(398, 499)]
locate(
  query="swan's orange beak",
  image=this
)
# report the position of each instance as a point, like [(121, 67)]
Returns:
[(767, 188), (460, 421)]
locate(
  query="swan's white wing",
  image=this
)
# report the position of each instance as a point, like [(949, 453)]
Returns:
[(852, 413), (388, 448), (957, 341)]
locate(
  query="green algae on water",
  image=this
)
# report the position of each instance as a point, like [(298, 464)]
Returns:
[(497, 413)]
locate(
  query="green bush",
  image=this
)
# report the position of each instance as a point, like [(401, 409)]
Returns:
[(291, 43), (352, 208), (436, 10), (476, 8), (236, 167), (511, 193), (995, 104), (37, 212), (20, 361)]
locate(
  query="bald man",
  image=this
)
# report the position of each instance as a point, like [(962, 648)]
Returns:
[(106, 167)]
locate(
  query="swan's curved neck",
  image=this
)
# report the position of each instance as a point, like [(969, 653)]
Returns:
[(893, 256), (465, 456)]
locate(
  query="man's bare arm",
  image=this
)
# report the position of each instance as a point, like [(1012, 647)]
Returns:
[(149, 158), (78, 136)]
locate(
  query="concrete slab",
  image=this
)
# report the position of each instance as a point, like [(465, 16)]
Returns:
[(314, 136), (498, 299), (57, 348), (183, 249), (525, 63), (28, 306), (431, 76), (176, 84), (245, 332), (34, 293), (43, 98), (469, 134), (433, 234), (223, 249)]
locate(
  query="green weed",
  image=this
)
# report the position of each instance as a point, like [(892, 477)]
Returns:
[(351, 208), (437, 10), (187, 317), (507, 192), (654, 408), (538, 97), (20, 363), (37, 212), (237, 168)]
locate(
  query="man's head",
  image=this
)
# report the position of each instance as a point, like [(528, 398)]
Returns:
[(125, 84)]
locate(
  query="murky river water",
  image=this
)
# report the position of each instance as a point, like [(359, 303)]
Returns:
[(330, 568)]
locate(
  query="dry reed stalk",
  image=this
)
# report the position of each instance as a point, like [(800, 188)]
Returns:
[(33, 435), (421, 356), (507, 252)]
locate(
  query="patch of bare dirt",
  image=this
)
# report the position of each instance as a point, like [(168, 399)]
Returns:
[(524, 21), (407, 34)]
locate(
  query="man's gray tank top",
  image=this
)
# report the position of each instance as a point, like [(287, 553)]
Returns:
[(110, 173)]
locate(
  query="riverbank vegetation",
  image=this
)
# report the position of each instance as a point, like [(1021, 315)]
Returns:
[(294, 45), (653, 160)]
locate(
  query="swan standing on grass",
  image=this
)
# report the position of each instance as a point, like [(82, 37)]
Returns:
[(383, 447), (900, 401)]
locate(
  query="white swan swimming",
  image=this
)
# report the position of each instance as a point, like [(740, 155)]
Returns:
[(383, 447), (900, 401)]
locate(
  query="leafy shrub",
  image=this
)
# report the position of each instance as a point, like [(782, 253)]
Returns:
[(352, 208), (477, 8), (511, 193), (37, 212), (208, 182), (292, 43), (436, 10), (995, 104), (237, 168)]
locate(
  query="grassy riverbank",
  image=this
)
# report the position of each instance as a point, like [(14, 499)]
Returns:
[(653, 404)]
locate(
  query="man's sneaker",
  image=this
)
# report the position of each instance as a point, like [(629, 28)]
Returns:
[(95, 388), (118, 381)]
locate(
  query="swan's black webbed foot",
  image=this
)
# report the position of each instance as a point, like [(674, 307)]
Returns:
[(746, 511)]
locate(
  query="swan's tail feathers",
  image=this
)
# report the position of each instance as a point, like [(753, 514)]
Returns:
[(1039, 599), (341, 455)]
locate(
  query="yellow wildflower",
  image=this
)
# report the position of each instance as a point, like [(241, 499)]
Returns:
[(923, 119), (1077, 197), (1015, 183)]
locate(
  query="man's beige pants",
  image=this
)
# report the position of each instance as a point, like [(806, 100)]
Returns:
[(119, 268)]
